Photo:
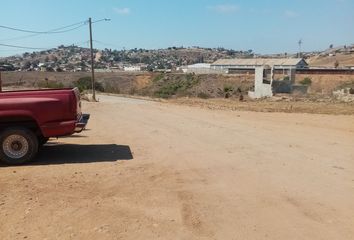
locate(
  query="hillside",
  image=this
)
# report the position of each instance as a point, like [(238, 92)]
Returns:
[(344, 60), (77, 59), (341, 57), (74, 58)]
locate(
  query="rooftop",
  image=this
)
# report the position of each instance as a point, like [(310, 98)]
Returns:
[(260, 61)]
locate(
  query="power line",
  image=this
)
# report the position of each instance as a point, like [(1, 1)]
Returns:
[(8, 50), (19, 38), (36, 48), (53, 31), (22, 47), (49, 31), (101, 20)]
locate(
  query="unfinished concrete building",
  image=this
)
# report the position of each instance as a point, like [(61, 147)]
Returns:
[(263, 82)]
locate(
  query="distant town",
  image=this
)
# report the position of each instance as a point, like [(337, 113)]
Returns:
[(77, 59)]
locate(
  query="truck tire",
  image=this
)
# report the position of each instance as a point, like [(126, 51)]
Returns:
[(18, 145)]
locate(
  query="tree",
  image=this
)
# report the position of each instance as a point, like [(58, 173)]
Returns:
[(331, 46)]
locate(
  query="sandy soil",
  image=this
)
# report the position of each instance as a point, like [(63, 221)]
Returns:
[(150, 170)]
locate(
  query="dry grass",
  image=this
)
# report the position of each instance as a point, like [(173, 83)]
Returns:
[(343, 59)]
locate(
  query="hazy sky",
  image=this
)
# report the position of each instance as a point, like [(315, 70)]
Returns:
[(262, 25)]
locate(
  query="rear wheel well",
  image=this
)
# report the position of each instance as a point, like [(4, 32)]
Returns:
[(20, 121)]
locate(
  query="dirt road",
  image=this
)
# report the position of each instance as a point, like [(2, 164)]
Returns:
[(148, 170)]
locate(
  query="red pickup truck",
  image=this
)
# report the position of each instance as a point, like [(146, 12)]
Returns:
[(29, 118)]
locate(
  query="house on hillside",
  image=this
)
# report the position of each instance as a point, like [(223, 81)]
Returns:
[(132, 68), (250, 64)]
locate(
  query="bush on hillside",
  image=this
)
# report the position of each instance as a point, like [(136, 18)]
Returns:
[(306, 81), (85, 83)]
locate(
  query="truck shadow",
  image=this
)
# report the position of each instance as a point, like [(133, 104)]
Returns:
[(52, 154)]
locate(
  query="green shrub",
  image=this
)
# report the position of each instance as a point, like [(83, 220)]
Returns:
[(85, 83), (158, 77), (203, 95), (50, 84), (306, 81), (178, 86), (168, 90), (228, 88)]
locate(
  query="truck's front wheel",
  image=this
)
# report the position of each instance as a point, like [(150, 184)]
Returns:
[(17, 145)]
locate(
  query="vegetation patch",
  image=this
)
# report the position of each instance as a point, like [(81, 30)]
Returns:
[(203, 95), (111, 88), (85, 83), (50, 84), (158, 78), (306, 81), (178, 86)]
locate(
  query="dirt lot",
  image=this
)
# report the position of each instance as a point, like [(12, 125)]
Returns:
[(150, 170)]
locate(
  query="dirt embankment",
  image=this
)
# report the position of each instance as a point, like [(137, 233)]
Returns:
[(167, 85), (146, 84), (326, 84)]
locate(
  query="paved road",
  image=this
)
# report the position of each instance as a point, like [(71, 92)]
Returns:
[(148, 170)]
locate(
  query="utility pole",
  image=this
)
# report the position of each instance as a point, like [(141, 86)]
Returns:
[(0, 82), (92, 64), (300, 49), (92, 57)]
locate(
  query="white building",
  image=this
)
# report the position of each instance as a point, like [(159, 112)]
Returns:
[(132, 69)]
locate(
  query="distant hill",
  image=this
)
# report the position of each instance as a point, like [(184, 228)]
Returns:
[(343, 60), (74, 58), (77, 59), (342, 56)]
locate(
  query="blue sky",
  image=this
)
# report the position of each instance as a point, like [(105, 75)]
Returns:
[(266, 26)]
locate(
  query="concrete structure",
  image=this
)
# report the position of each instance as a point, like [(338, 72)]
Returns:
[(252, 63), (263, 83)]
